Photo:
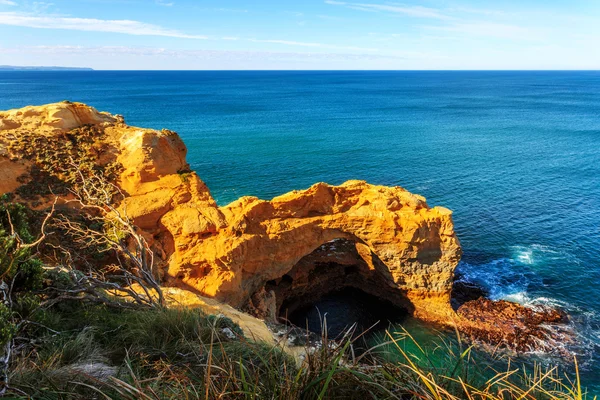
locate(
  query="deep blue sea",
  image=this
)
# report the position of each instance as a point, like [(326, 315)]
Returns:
[(515, 155)]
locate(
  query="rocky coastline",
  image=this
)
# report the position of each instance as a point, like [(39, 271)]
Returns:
[(265, 257)]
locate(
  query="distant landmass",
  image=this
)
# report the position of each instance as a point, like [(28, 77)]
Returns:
[(20, 68)]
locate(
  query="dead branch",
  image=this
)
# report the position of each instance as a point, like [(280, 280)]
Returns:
[(6, 291), (106, 227)]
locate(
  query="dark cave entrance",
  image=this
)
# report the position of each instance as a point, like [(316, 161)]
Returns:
[(344, 282), (336, 312)]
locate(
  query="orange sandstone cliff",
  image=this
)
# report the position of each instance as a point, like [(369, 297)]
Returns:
[(257, 255)]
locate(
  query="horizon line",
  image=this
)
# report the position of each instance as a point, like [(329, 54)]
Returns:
[(90, 69)]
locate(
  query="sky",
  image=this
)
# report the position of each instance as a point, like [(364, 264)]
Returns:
[(308, 34)]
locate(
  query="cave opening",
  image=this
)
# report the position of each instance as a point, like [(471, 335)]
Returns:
[(343, 282), (337, 311)]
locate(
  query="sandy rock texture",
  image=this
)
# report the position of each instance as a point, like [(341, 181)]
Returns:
[(253, 253)]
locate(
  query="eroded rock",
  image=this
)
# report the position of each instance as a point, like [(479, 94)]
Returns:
[(514, 326), (257, 254)]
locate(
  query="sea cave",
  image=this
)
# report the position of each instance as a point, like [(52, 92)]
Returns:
[(339, 284)]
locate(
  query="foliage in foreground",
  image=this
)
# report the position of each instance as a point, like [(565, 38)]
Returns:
[(73, 349), (96, 352)]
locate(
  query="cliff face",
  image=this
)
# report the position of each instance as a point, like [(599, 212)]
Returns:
[(232, 252), (253, 254)]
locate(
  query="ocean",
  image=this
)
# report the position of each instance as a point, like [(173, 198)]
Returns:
[(515, 155)]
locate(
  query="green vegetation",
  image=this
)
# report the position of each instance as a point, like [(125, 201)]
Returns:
[(21, 273), (76, 349), (84, 351), (58, 164)]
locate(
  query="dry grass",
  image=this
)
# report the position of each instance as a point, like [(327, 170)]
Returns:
[(93, 352)]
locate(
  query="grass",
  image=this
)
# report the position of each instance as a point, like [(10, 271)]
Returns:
[(92, 352)]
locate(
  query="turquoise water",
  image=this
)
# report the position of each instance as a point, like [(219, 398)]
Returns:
[(516, 155)]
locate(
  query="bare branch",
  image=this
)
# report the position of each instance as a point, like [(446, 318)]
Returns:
[(43, 228), (107, 228)]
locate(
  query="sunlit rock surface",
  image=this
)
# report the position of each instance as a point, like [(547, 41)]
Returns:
[(256, 254)]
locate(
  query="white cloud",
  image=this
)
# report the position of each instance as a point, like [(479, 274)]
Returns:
[(411, 11), (204, 54), (138, 28), (7, 3), (329, 17), (480, 11), (491, 29), (226, 10), (287, 42), (39, 7), (164, 3), (311, 44), (127, 27)]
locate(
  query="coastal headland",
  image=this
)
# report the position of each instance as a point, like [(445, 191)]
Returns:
[(263, 257)]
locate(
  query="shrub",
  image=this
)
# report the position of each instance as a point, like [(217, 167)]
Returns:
[(96, 352), (7, 327)]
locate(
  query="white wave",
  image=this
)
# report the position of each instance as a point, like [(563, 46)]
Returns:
[(511, 278), (579, 337), (520, 297), (538, 254), (501, 277), (525, 256)]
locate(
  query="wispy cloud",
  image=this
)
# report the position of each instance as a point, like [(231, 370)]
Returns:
[(138, 28), (165, 3), (7, 3), (205, 54), (127, 27), (480, 11), (312, 44), (329, 17), (287, 42), (411, 11), (226, 10), (38, 7), (492, 24), (490, 29)]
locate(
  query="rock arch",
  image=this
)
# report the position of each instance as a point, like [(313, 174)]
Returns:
[(231, 253), (412, 247)]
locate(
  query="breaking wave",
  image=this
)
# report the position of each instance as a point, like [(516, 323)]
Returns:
[(516, 278)]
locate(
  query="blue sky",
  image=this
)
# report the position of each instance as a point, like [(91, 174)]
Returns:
[(325, 34)]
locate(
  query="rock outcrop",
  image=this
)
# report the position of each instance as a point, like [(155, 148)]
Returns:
[(513, 326), (254, 254), (408, 248)]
